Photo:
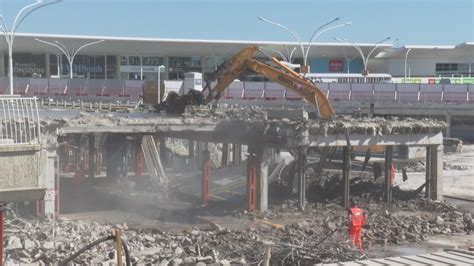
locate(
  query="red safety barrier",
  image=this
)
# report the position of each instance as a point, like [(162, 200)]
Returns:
[(251, 183)]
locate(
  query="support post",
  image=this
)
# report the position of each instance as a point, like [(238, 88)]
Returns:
[(92, 156), (388, 173), (236, 153), (2, 206), (301, 179), (163, 156), (191, 157), (138, 161), (251, 182), (263, 155), (98, 161), (206, 177), (448, 125), (346, 174), (436, 187), (225, 154), (428, 172)]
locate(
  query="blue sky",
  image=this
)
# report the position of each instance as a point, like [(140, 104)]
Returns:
[(442, 22)]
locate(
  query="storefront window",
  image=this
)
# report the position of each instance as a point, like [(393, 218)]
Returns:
[(177, 66), (27, 65)]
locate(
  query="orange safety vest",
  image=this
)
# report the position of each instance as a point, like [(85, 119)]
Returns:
[(357, 216)]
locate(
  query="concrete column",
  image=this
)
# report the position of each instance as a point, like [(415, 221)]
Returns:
[(428, 172), (117, 69), (163, 157), (388, 173), (300, 172), (236, 153), (191, 156), (263, 155), (448, 126), (436, 165), (50, 204), (225, 154), (2, 65), (92, 156), (346, 174), (46, 73), (199, 150), (138, 160)]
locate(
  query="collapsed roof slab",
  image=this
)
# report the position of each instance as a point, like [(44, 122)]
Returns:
[(257, 130)]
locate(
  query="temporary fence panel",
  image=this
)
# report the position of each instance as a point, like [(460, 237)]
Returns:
[(431, 93), (384, 92), (38, 87), (339, 92), (362, 92), (274, 91), (234, 91), (113, 88), (20, 86), (133, 89), (455, 93), (4, 85), (19, 121), (75, 88), (58, 87), (253, 90), (407, 93)]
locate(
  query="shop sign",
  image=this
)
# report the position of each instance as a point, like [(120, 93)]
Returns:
[(27, 69), (336, 65), (137, 69)]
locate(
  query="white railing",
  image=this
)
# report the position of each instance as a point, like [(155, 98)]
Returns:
[(19, 121)]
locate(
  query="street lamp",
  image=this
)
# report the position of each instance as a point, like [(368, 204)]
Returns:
[(10, 34), (365, 59), (69, 53), (406, 60), (159, 82), (315, 34)]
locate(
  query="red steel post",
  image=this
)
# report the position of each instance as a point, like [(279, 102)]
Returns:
[(206, 178), (251, 183)]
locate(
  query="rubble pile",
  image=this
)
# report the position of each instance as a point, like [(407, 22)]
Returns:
[(377, 126), (51, 242), (392, 228)]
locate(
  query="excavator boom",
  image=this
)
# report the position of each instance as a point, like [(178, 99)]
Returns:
[(231, 69)]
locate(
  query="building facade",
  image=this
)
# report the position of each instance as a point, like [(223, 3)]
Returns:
[(140, 58)]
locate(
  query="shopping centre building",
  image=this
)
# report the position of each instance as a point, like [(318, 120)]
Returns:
[(139, 58)]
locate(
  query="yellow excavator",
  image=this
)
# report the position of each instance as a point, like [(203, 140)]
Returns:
[(234, 67)]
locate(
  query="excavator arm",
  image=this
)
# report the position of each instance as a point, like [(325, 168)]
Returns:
[(231, 69), (297, 84)]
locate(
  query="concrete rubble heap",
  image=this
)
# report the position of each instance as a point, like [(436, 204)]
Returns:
[(297, 242)]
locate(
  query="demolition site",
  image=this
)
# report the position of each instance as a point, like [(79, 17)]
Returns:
[(212, 167)]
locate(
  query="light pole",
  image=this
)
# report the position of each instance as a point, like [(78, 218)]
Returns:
[(365, 59), (406, 60), (69, 53), (159, 82), (10, 34), (316, 33)]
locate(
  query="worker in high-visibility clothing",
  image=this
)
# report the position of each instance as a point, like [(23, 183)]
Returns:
[(356, 221)]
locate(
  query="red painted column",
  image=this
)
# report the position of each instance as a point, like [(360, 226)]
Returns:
[(206, 177), (251, 183)]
